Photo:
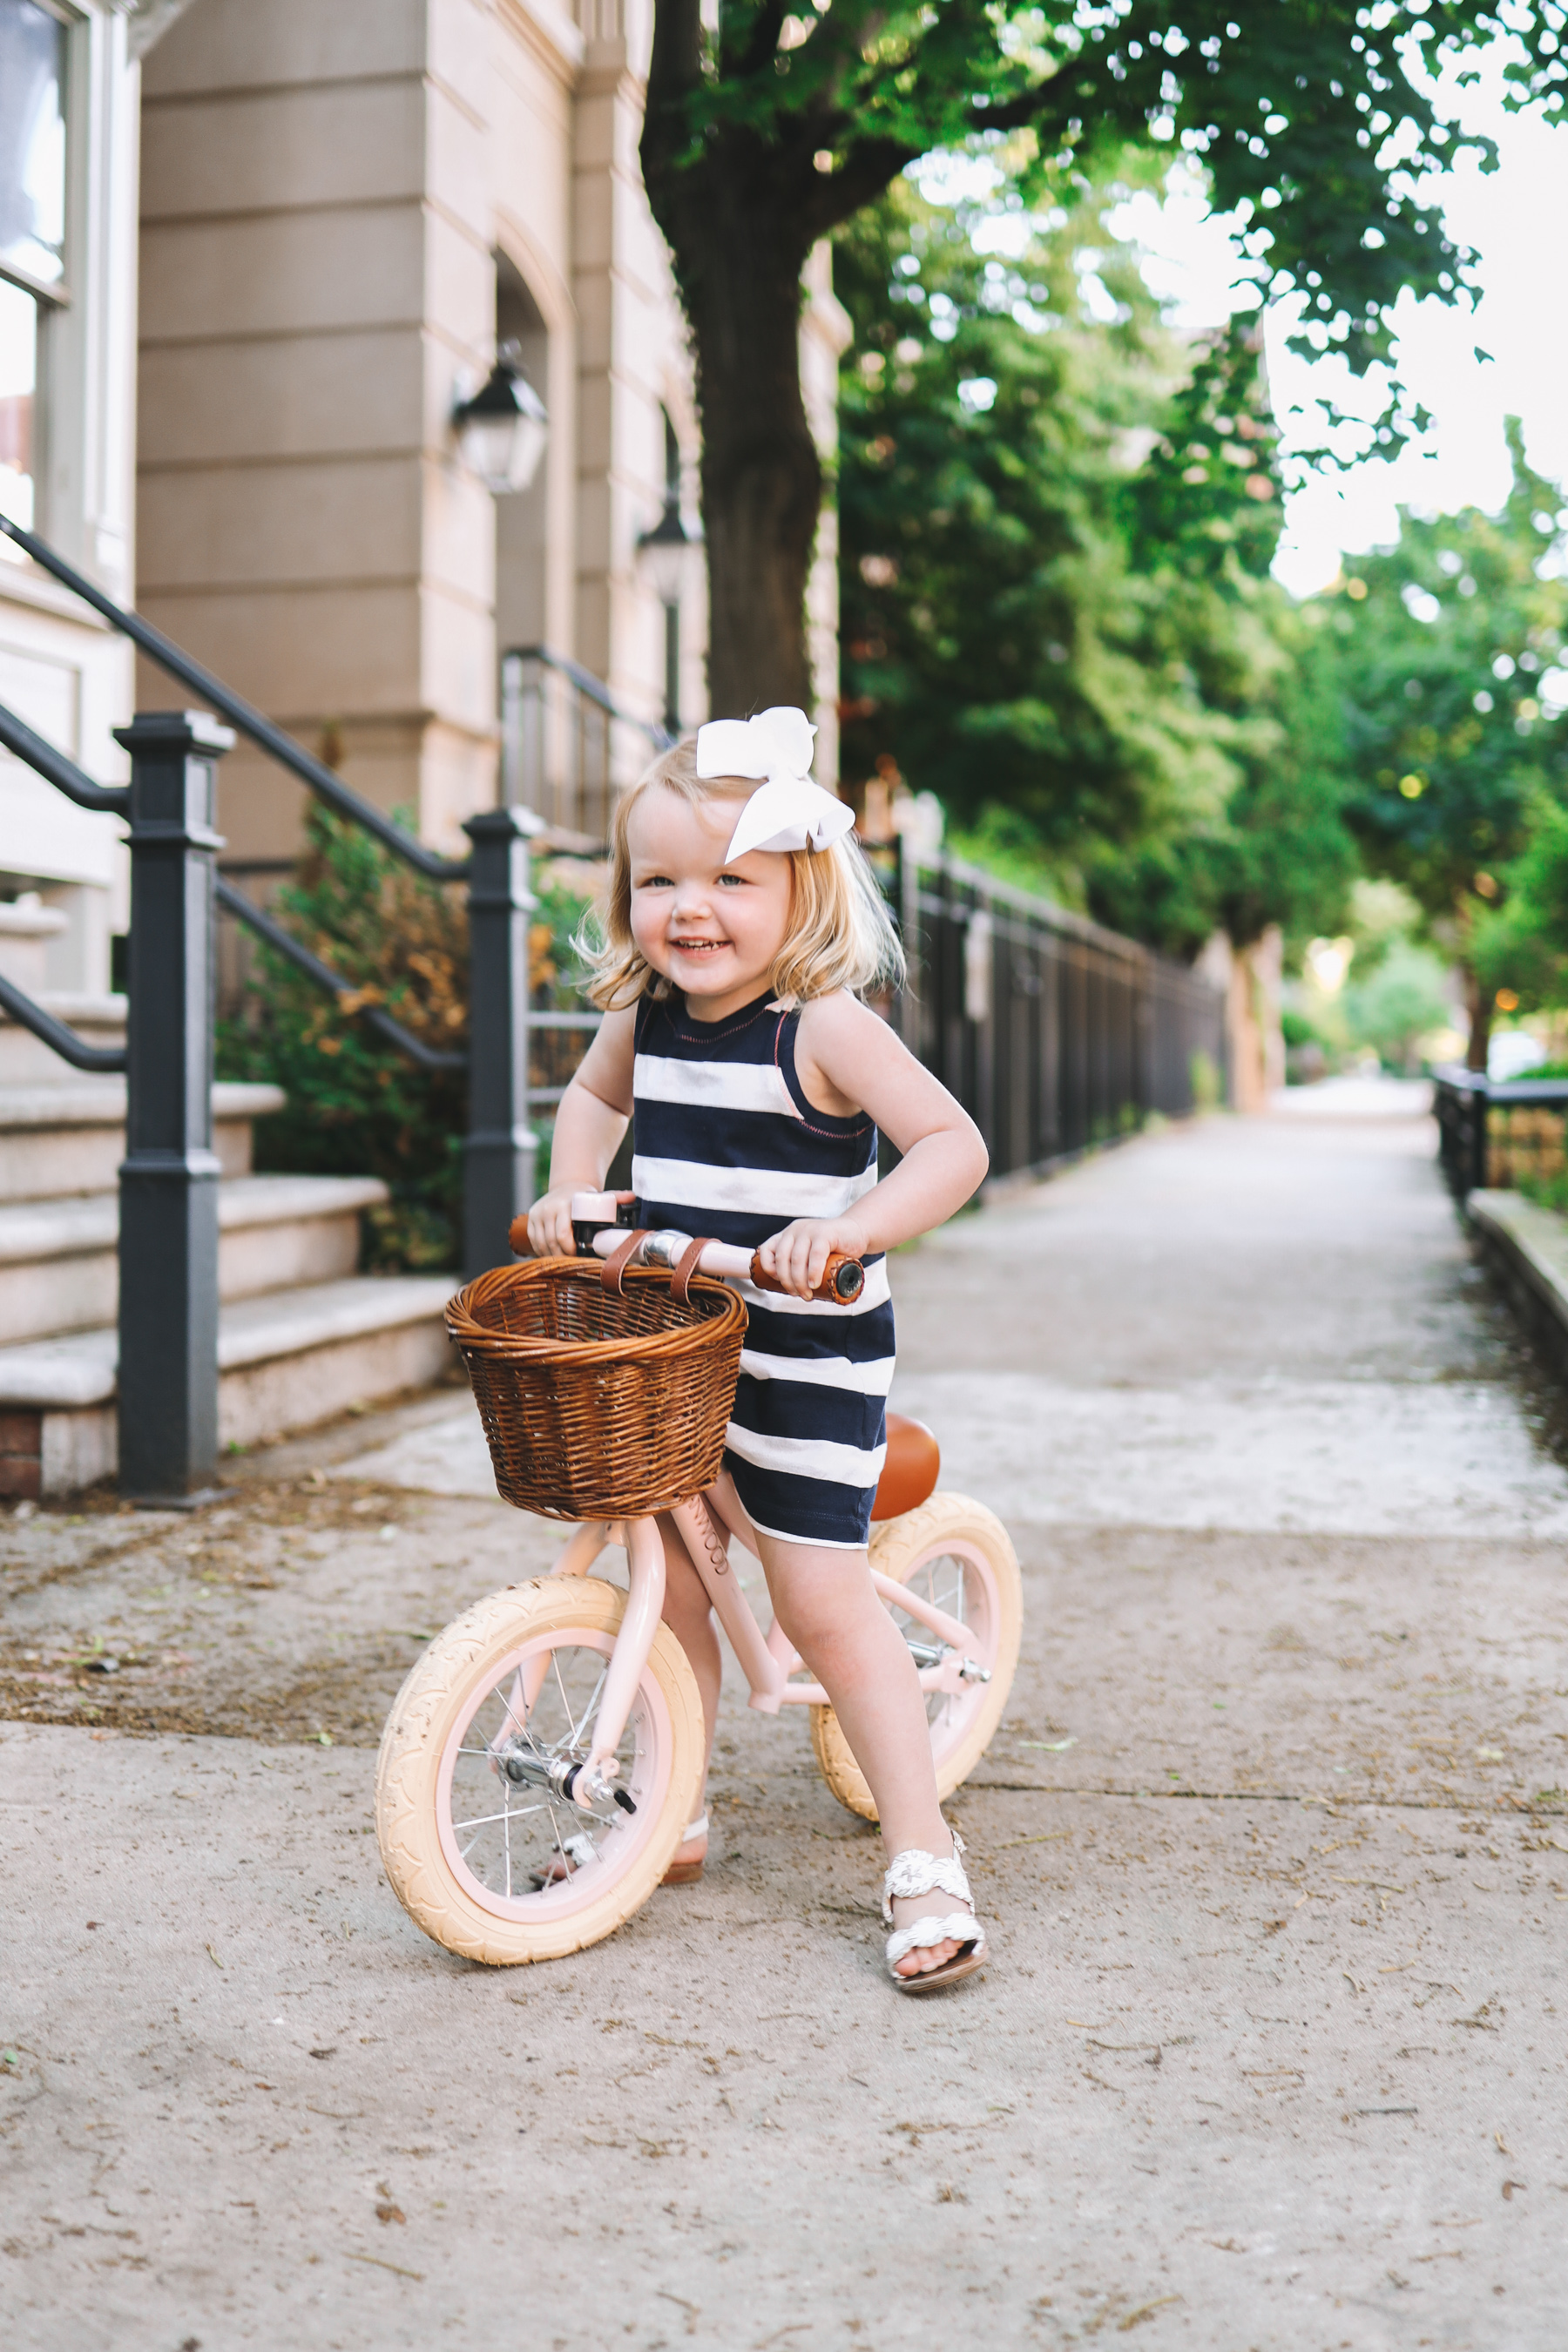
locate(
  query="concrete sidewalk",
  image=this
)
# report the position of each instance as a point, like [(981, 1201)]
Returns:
[(1275, 1842)]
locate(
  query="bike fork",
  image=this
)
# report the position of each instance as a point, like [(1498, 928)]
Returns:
[(645, 1606)]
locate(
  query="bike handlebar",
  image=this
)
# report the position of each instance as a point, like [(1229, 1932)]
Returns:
[(595, 1219)]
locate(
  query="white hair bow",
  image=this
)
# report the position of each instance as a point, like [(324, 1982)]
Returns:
[(791, 811)]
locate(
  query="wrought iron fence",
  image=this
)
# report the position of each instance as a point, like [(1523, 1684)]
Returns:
[(1054, 1033), (1493, 1131)]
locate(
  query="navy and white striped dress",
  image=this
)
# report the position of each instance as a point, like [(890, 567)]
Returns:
[(725, 1143)]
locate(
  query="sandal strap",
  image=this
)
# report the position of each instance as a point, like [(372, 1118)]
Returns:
[(914, 1872), (959, 1926), (699, 1828)]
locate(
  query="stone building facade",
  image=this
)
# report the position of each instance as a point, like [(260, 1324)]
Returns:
[(287, 240), (67, 361), (346, 204)]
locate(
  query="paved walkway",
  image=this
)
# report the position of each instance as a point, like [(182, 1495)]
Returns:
[(1275, 1836)]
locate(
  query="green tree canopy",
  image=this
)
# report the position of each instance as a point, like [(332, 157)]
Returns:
[(767, 126), (1056, 519), (1441, 644), (1522, 946)]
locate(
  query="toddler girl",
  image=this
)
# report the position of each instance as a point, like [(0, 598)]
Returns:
[(742, 928)]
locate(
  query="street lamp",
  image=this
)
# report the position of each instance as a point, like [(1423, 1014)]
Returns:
[(665, 556), (501, 430)]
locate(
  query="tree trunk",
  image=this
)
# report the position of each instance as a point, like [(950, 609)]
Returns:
[(762, 477), (741, 210), (1478, 1005)]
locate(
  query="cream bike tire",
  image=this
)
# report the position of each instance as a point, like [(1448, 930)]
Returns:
[(502, 1868), (958, 1555)]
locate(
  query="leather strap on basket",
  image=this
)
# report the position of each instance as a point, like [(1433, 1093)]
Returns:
[(685, 1267), (616, 1265)]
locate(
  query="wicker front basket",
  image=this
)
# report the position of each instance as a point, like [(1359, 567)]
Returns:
[(598, 1405)]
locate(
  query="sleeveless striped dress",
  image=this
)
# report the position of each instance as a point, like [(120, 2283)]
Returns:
[(725, 1143)]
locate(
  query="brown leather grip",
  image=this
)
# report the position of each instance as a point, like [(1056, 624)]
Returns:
[(843, 1279), (517, 1234), (686, 1266), (615, 1265)]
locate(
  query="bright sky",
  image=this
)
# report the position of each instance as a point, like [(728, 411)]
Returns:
[(1513, 217)]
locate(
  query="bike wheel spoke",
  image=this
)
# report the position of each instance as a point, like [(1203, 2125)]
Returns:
[(482, 1820), (514, 1851)]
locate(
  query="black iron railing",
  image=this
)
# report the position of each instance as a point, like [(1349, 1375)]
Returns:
[(568, 748), (1491, 1131), (1054, 1033), (168, 1184)]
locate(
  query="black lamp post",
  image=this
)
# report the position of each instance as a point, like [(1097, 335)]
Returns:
[(665, 557)]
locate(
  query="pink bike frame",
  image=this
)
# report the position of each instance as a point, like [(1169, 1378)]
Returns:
[(769, 1661), (707, 1523)]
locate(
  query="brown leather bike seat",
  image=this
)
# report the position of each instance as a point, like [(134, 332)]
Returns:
[(910, 1471)]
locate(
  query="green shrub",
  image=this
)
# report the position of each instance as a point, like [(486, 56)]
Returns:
[(355, 1105), (1546, 1191)]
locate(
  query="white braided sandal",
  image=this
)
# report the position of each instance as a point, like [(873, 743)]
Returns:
[(915, 1873)]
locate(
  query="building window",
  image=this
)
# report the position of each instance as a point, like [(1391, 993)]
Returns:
[(33, 42), (671, 612)]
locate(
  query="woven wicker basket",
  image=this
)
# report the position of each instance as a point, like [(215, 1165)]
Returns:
[(597, 1404)]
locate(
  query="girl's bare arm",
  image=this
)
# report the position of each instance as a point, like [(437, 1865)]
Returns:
[(589, 1124), (852, 1059)]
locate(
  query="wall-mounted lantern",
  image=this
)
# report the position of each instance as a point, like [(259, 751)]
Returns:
[(667, 555), (501, 430)]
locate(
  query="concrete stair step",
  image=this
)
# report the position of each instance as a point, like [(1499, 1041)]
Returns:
[(285, 1360), (59, 1271), (61, 1140)]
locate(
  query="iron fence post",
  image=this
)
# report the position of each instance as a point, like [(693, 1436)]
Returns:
[(1479, 1109), (499, 1170), (168, 1177)]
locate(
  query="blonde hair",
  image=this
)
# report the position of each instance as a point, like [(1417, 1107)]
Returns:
[(840, 933)]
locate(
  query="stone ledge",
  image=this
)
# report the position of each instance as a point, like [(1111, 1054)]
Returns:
[(102, 1103), (1526, 1247), (89, 1223), (79, 1369)]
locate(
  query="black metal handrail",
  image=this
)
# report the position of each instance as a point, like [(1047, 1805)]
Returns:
[(168, 1364), (54, 1034), (56, 769), (580, 790), (65, 775), (594, 689), (239, 713)]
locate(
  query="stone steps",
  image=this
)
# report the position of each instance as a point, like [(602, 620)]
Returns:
[(301, 1335), (286, 1359), (59, 1270), (56, 1141)]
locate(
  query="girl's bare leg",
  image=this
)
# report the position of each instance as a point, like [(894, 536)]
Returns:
[(827, 1606), (690, 1616)]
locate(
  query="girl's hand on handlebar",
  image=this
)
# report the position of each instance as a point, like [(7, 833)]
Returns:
[(798, 1256), (549, 1223)]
